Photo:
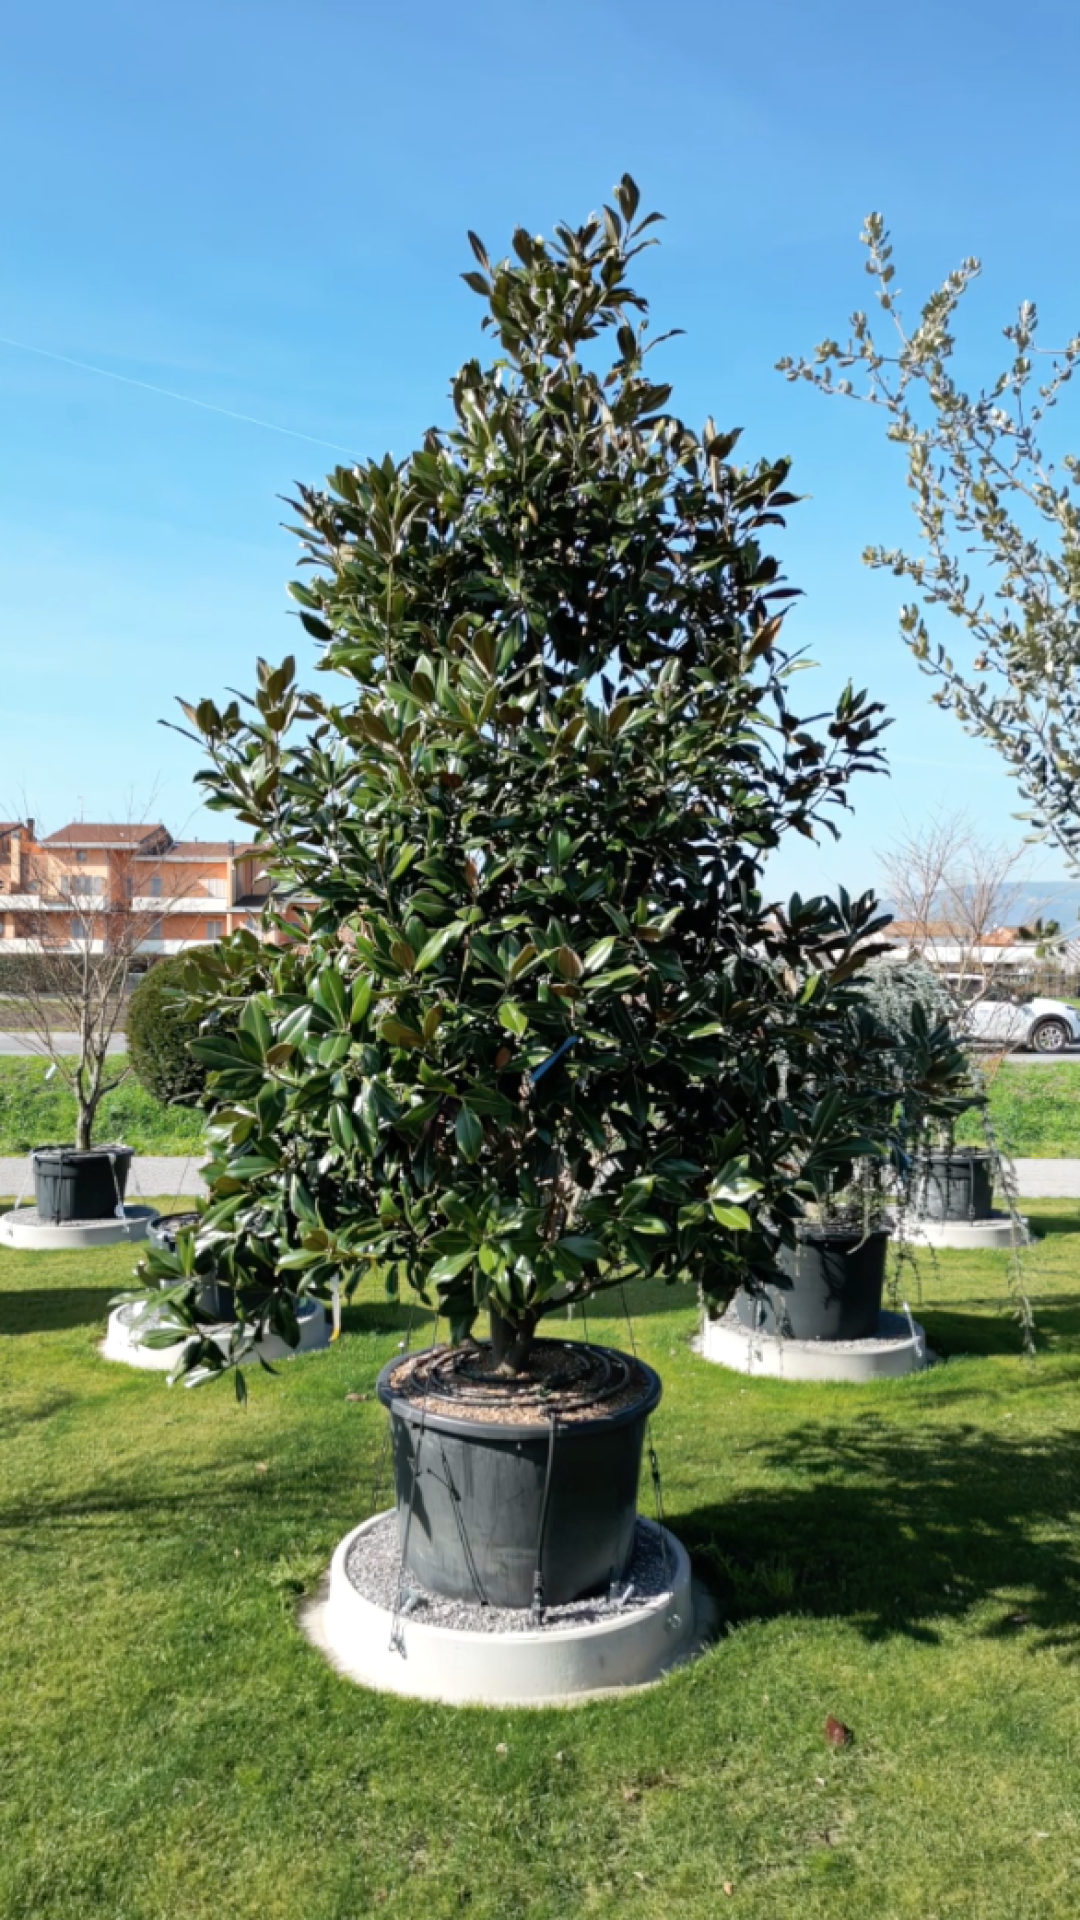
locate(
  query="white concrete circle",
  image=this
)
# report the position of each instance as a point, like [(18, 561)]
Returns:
[(22, 1229), (898, 1348), (530, 1669), (127, 1323), (995, 1231)]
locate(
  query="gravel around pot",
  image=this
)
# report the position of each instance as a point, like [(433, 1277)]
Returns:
[(521, 1491)]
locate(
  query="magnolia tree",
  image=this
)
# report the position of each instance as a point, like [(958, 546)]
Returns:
[(529, 1028)]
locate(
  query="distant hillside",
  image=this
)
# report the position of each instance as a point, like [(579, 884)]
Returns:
[(1048, 900)]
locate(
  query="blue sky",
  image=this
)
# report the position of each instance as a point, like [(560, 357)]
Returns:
[(263, 207)]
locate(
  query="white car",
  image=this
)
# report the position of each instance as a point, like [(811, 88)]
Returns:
[(999, 1016)]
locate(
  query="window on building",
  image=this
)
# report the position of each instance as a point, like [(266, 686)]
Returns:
[(155, 885), (215, 929), (156, 931), (79, 929), (215, 888)]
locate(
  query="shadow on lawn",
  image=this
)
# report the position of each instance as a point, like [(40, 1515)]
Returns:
[(1046, 1225), (892, 1528), (953, 1333), (51, 1309)]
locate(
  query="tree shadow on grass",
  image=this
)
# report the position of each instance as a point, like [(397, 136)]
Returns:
[(953, 1333), (53, 1309), (390, 1316), (1050, 1225), (894, 1530)]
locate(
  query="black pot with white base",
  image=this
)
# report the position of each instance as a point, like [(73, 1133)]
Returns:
[(518, 1495), (79, 1184), (216, 1297), (955, 1184), (824, 1320), (834, 1279)]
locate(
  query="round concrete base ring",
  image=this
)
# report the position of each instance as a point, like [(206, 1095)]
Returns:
[(995, 1231), (121, 1339), (899, 1348), (531, 1669), (22, 1230)]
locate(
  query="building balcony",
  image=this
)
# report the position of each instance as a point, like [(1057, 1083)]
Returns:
[(202, 903), (168, 946)]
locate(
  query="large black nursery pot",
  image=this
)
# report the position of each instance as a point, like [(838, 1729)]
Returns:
[(484, 1506), (955, 1183), (216, 1297), (80, 1183), (835, 1278)]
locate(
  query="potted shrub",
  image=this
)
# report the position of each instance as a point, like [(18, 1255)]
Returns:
[(889, 1071), (529, 1029), (941, 1180)]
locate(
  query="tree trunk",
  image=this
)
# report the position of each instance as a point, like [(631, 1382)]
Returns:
[(511, 1341), (84, 1127)]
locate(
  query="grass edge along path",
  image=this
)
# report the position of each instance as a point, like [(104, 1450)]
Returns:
[(1035, 1111), (35, 1110), (902, 1556)]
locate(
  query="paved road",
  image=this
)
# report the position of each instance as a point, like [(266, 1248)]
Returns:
[(1040, 1059), (1048, 1179), (152, 1175), (28, 1043)]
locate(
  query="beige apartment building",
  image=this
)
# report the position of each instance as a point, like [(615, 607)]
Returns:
[(92, 887)]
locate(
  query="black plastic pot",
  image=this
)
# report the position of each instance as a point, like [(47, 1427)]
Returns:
[(834, 1293), (956, 1184), (72, 1183), (479, 1528), (164, 1231), (216, 1297)]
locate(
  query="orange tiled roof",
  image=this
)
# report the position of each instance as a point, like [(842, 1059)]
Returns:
[(94, 833)]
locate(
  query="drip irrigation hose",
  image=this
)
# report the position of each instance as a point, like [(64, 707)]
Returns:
[(538, 1576), (654, 1463), (455, 1503), (397, 1644), (583, 1376)]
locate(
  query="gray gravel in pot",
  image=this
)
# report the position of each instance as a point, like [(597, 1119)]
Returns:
[(374, 1567)]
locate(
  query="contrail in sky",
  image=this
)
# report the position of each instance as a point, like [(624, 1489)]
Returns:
[(248, 419)]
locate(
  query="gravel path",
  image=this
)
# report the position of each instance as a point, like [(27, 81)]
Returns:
[(375, 1561), (152, 1176), (28, 1043), (1048, 1179)]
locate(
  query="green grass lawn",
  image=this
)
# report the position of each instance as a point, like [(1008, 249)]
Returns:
[(905, 1557), (34, 1111), (1035, 1111)]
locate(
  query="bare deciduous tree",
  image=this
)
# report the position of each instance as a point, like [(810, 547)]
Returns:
[(81, 937), (954, 892)]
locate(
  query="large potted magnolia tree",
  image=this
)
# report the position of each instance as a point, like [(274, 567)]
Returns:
[(528, 1029)]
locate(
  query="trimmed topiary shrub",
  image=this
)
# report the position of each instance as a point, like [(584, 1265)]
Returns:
[(159, 1032)]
